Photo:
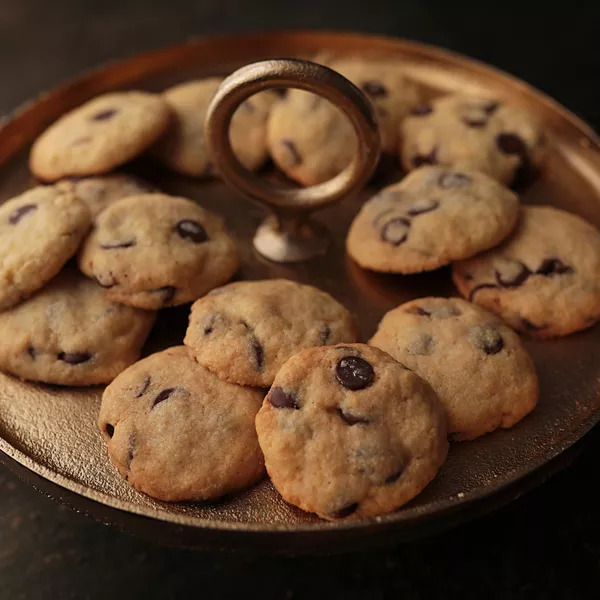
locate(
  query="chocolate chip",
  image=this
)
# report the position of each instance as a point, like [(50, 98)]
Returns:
[(258, 353), (116, 245), (169, 293), (31, 351), (524, 173), (479, 287), (209, 324), (425, 207), (451, 180), (131, 452), (421, 346), (162, 396), (553, 266), (324, 334), (419, 160), (354, 372), (17, 214), (529, 326), (74, 358), (395, 231), (110, 430), (474, 122), (144, 387), (192, 230), (346, 511), (394, 476), (374, 88), (421, 110), (486, 338), (351, 419), (512, 273), (104, 115), (280, 399), (293, 151), (511, 143)]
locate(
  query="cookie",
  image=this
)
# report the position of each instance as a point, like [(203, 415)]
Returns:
[(311, 140), (470, 132), (544, 279), (39, 231), (177, 432), (348, 432), (434, 216), (482, 374), (245, 331), (102, 191), (183, 147), (99, 135), (69, 333), (154, 250)]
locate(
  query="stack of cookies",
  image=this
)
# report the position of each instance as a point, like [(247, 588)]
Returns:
[(270, 375)]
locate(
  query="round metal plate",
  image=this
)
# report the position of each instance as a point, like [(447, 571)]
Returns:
[(49, 435)]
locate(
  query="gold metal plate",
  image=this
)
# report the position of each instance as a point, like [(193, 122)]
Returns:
[(52, 433)]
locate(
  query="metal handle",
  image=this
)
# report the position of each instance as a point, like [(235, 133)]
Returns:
[(290, 236)]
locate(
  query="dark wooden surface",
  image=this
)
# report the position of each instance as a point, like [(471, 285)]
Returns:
[(546, 545)]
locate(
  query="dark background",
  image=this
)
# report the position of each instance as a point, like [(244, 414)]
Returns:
[(545, 545)]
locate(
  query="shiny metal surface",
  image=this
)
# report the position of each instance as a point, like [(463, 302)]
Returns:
[(51, 432)]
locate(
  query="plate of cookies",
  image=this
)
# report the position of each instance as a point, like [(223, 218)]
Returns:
[(302, 303)]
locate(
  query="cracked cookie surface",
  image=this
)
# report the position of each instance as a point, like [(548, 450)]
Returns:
[(177, 432), (154, 250), (348, 432), (544, 279), (246, 330), (482, 374)]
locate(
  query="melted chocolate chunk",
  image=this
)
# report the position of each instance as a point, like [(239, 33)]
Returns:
[(553, 266), (169, 292), (144, 387), (292, 150), (31, 351), (116, 245), (351, 419), (512, 274), (511, 143), (209, 324), (486, 338), (131, 452), (162, 396), (74, 358), (191, 230), (394, 476), (395, 231), (20, 212), (421, 110), (451, 180), (280, 399), (104, 115), (110, 430), (257, 353), (421, 346), (474, 122), (425, 207), (354, 373), (374, 89), (346, 511), (419, 160), (324, 334), (481, 286)]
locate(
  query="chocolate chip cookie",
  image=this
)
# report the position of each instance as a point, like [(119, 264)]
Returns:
[(177, 432), (311, 140), (348, 432), (39, 231), (482, 374), (99, 135), (544, 279), (183, 147), (154, 250), (434, 216), (245, 331), (69, 333), (102, 191), (471, 132)]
